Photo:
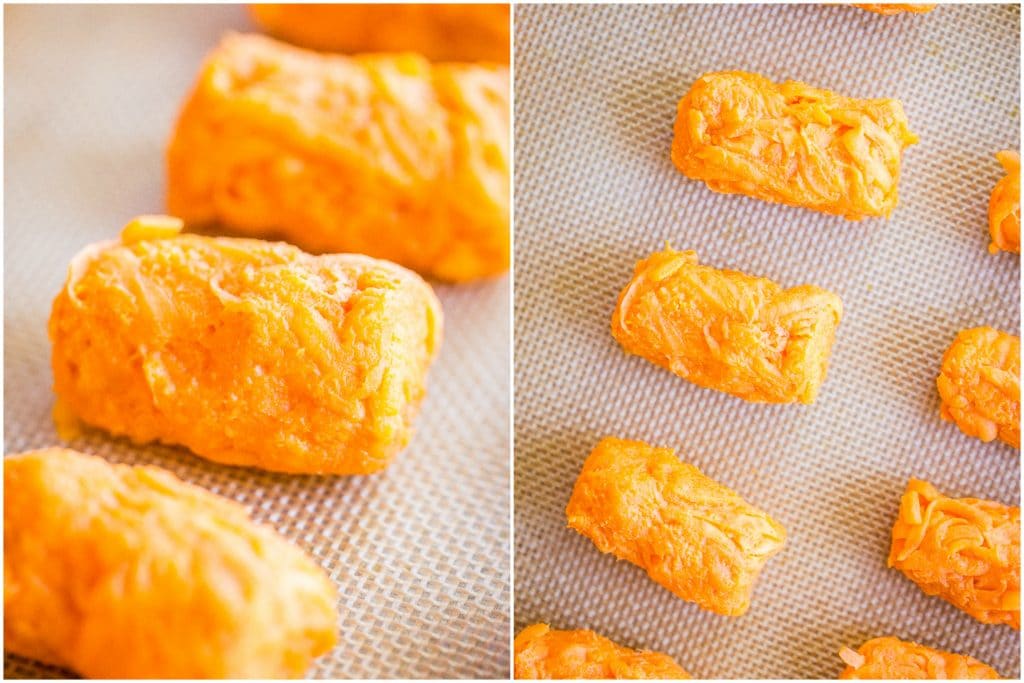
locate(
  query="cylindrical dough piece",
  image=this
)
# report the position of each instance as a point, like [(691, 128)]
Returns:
[(894, 8), (128, 572), (979, 384), (790, 143), (964, 550), (1004, 206), (894, 659), (542, 653), (463, 32), (385, 155), (726, 330), (246, 352), (694, 536)]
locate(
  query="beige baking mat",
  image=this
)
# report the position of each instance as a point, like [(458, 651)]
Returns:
[(595, 96), (420, 552)]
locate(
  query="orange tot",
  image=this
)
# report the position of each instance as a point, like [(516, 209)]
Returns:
[(894, 659), (964, 550), (243, 351), (439, 32), (979, 385), (541, 653), (385, 155), (128, 572), (793, 144), (728, 331), (890, 9), (692, 535), (1004, 206)]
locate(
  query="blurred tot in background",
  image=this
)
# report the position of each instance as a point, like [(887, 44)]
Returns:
[(438, 32)]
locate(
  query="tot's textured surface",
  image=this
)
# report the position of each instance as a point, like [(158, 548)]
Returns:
[(385, 155), (964, 550), (447, 32), (246, 352), (979, 384), (1004, 206), (543, 653), (692, 535), (790, 143), (128, 572), (894, 659), (895, 8), (726, 330)]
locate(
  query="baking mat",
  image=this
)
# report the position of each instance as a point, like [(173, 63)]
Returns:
[(420, 552), (595, 95)]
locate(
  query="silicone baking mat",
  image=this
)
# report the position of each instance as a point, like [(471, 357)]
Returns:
[(419, 552), (596, 89)]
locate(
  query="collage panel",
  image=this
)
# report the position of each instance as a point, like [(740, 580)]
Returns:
[(325, 432), (740, 398)]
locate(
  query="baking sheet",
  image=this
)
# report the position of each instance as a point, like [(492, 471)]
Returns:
[(420, 552), (595, 99)]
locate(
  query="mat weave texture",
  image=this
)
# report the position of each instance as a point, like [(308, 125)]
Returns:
[(595, 99), (419, 552)]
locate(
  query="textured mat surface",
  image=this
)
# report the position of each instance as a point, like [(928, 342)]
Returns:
[(596, 90), (420, 552)]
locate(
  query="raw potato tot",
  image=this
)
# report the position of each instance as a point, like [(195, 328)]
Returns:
[(128, 572), (726, 330), (1004, 206), (979, 385), (889, 9), (245, 352), (964, 550), (791, 143), (439, 32), (894, 659), (541, 653), (384, 155), (694, 536)]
